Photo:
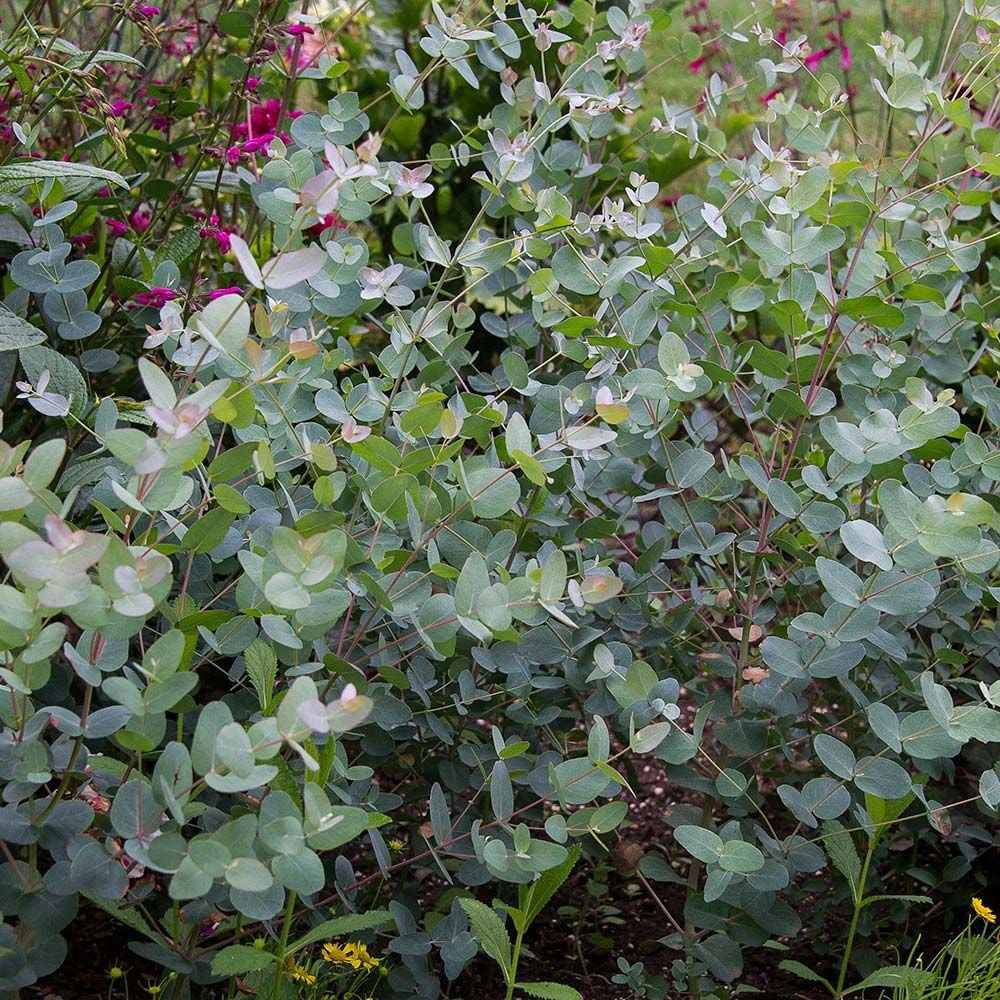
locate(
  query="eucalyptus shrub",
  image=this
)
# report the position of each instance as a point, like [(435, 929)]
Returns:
[(364, 516)]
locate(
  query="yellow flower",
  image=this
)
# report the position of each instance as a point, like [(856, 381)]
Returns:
[(115, 972), (396, 845), (354, 954), (982, 910), (335, 953), (300, 974), (359, 957)]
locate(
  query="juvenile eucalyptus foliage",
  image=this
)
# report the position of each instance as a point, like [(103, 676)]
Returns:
[(425, 532)]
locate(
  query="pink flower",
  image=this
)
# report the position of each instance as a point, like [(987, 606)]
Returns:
[(255, 145), (770, 96), (219, 292), (845, 56), (299, 29), (120, 107), (252, 84), (812, 61), (216, 232), (116, 227), (695, 66), (263, 124), (233, 155), (264, 117), (304, 60), (140, 220), (155, 297), (147, 10), (329, 221)]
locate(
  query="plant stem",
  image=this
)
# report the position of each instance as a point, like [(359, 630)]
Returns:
[(513, 964), (694, 877), (71, 764), (858, 903), (286, 926)]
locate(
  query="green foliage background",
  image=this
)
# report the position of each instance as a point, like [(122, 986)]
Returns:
[(397, 447)]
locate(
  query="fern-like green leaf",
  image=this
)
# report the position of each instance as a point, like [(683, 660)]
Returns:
[(16, 333), (262, 669), (804, 972), (178, 247), (840, 847), (350, 923), (75, 176), (904, 898), (489, 931), (549, 991), (533, 898)]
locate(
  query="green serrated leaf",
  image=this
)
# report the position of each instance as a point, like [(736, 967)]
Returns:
[(238, 959), (549, 991), (22, 172), (124, 914), (804, 972), (891, 977), (840, 847), (178, 247), (64, 376), (16, 333), (533, 898), (262, 669), (904, 898), (489, 931), (350, 923)]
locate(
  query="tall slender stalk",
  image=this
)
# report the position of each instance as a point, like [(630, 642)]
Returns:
[(286, 926), (515, 956), (859, 902)]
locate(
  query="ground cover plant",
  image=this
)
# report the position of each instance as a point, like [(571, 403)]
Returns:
[(965, 969), (430, 444)]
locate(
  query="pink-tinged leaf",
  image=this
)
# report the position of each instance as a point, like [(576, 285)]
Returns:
[(288, 269), (246, 261)]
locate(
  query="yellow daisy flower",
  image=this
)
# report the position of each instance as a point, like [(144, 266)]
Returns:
[(982, 910), (333, 952), (300, 974), (359, 956), (354, 954), (396, 845)]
